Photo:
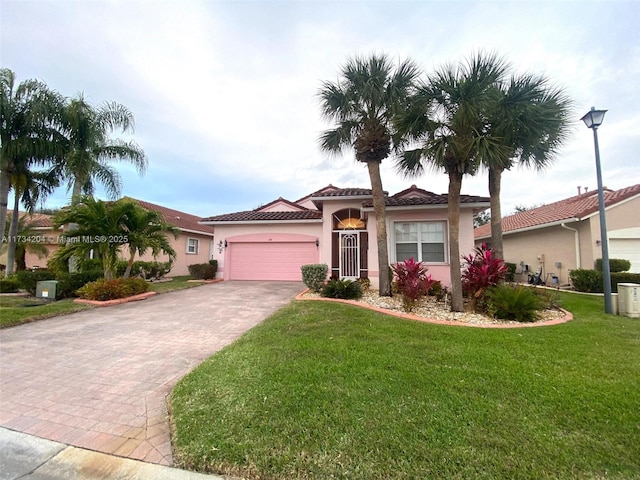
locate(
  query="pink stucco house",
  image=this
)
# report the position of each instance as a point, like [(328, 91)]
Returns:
[(337, 226), (194, 243)]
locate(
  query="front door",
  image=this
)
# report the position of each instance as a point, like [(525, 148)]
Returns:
[(349, 255)]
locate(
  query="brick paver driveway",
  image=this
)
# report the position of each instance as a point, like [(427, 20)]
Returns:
[(98, 379)]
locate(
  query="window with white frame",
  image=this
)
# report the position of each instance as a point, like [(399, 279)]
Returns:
[(423, 241), (192, 245)]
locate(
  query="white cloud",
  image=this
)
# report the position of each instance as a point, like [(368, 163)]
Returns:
[(224, 93)]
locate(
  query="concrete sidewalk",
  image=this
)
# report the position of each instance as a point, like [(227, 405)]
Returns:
[(27, 457), (99, 379)]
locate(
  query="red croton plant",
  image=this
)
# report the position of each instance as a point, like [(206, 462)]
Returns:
[(482, 271), (412, 281)]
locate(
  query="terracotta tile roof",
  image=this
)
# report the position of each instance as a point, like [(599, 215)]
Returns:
[(317, 192), (280, 200), (427, 200), (578, 207), (345, 192), (258, 216), (414, 191), (35, 220), (181, 220)]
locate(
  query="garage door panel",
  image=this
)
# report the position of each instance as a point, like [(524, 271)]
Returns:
[(628, 249), (270, 261)]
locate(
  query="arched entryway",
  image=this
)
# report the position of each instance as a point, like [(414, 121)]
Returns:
[(349, 245)]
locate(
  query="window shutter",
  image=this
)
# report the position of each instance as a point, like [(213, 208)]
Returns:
[(364, 251)]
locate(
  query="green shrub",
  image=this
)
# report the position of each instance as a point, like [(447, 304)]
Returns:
[(616, 265), (511, 271), (513, 303), (203, 271), (28, 279), (314, 275), (586, 280), (342, 288), (9, 285), (112, 289), (623, 277), (68, 283), (437, 290), (147, 270)]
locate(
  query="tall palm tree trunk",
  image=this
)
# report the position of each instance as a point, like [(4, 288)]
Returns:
[(455, 185), (13, 233), (5, 183), (379, 209), (495, 179)]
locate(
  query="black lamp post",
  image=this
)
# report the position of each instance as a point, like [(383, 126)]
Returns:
[(593, 119)]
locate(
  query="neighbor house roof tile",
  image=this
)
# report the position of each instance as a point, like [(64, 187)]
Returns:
[(181, 220), (35, 220), (578, 206)]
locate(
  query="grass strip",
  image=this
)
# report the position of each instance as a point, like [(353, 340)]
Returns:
[(323, 391)]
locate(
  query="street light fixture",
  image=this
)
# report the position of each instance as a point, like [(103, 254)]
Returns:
[(593, 119)]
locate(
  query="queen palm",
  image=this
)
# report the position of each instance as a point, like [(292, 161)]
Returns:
[(361, 104), (447, 119), (530, 119), (90, 149), (29, 129), (147, 229)]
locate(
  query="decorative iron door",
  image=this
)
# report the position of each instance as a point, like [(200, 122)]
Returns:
[(349, 255)]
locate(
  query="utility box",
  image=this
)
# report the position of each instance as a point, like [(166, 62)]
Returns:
[(629, 300), (46, 289)]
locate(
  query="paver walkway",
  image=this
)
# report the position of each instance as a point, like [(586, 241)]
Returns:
[(98, 379)]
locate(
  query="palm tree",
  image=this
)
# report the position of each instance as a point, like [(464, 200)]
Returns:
[(447, 119), (25, 229), (29, 129), (90, 148), (530, 118), (146, 230), (29, 188), (100, 227), (362, 103)]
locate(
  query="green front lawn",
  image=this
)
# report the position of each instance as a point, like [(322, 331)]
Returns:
[(16, 310), (323, 390)]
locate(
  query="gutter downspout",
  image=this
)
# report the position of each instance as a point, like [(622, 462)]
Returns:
[(577, 242)]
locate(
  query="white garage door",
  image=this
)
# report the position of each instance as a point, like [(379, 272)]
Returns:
[(627, 249), (270, 261)]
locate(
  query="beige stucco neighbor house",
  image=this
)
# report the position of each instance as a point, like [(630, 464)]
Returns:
[(565, 235), (337, 226), (193, 245)]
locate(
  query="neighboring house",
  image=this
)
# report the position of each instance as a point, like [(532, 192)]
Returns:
[(565, 235), (337, 226), (43, 233), (193, 245)]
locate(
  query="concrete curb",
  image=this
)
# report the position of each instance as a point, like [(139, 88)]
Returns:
[(117, 301), (26, 456)]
